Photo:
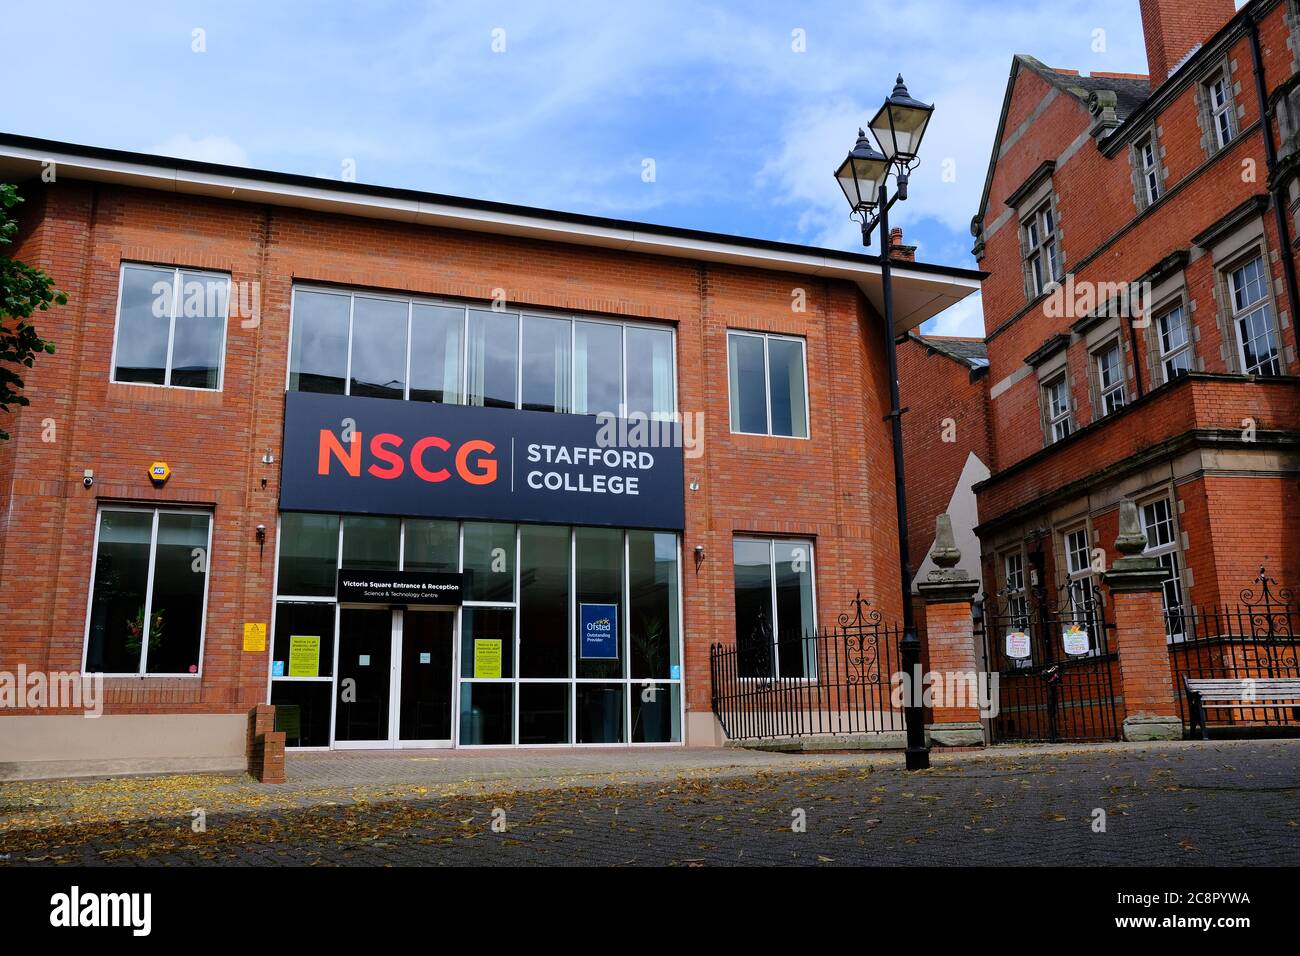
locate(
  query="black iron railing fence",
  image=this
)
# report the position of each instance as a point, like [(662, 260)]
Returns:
[(1256, 638), (835, 681)]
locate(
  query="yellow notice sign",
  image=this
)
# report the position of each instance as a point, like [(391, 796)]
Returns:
[(487, 658), (254, 637), (304, 655)]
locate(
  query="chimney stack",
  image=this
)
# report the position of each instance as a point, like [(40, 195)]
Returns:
[(1173, 27), (896, 248)]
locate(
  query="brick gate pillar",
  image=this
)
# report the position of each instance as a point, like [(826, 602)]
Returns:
[(950, 643), (1136, 582)]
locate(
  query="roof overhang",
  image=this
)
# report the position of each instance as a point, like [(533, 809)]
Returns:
[(921, 290)]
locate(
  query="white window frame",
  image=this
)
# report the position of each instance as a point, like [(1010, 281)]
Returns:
[(1059, 424), (148, 600), (177, 298), (1256, 307), (466, 307), (1078, 579), (1111, 395), (767, 384), (1014, 583), (776, 635), (1042, 251), (1222, 109), (1169, 355), (1167, 553), (1149, 168)]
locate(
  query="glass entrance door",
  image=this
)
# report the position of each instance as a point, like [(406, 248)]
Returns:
[(395, 678), (424, 709), (362, 715)]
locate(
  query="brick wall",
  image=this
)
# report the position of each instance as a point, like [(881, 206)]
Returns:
[(835, 486), (946, 420)]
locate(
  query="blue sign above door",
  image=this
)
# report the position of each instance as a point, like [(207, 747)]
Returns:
[(598, 632), (421, 459)]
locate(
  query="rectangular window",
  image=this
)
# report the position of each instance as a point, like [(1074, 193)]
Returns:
[(1078, 566), (1175, 343), (1042, 254), (1056, 398), (546, 364), (492, 358), (1013, 569), (649, 366), (776, 616), (1149, 167), (1253, 319), (379, 339), (1219, 97), (1110, 378), (768, 384), (597, 368), (171, 327), (436, 332), (1162, 544), (347, 343), (148, 591)]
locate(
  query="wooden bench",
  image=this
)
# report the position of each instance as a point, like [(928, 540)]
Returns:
[(1237, 693)]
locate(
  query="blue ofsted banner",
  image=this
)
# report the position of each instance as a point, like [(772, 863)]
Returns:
[(598, 626)]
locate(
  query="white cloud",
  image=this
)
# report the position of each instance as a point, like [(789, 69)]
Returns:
[(966, 318), (207, 149)]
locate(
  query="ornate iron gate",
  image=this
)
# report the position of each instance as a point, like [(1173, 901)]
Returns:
[(1055, 663)]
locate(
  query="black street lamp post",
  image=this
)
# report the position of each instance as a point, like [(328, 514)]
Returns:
[(864, 177)]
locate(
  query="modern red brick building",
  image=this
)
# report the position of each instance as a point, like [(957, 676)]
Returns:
[(1139, 236), (947, 438), (391, 461)]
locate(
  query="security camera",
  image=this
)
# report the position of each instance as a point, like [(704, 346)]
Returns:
[(87, 478)]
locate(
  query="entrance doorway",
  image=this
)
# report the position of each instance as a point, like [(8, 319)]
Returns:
[(394, 679)]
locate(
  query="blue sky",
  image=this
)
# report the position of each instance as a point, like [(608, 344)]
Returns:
[(744, 130)]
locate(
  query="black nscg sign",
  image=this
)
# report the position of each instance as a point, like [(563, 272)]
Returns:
[(362, 586), (418, 459)]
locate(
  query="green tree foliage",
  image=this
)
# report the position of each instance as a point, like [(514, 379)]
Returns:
[(23, 291)]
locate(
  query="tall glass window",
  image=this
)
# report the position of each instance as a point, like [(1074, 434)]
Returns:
[(148, 592), (598, 368), (544, 564), (776, 615), (318, 350), (379, 328), (598, 576), (649, 371), (436, 353), (492, 358), (546, 364)]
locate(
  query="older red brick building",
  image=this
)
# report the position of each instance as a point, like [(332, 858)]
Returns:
[(1139, 236), (382, 500)]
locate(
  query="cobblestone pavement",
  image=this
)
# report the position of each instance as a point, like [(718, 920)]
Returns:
[(1188, 804)]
